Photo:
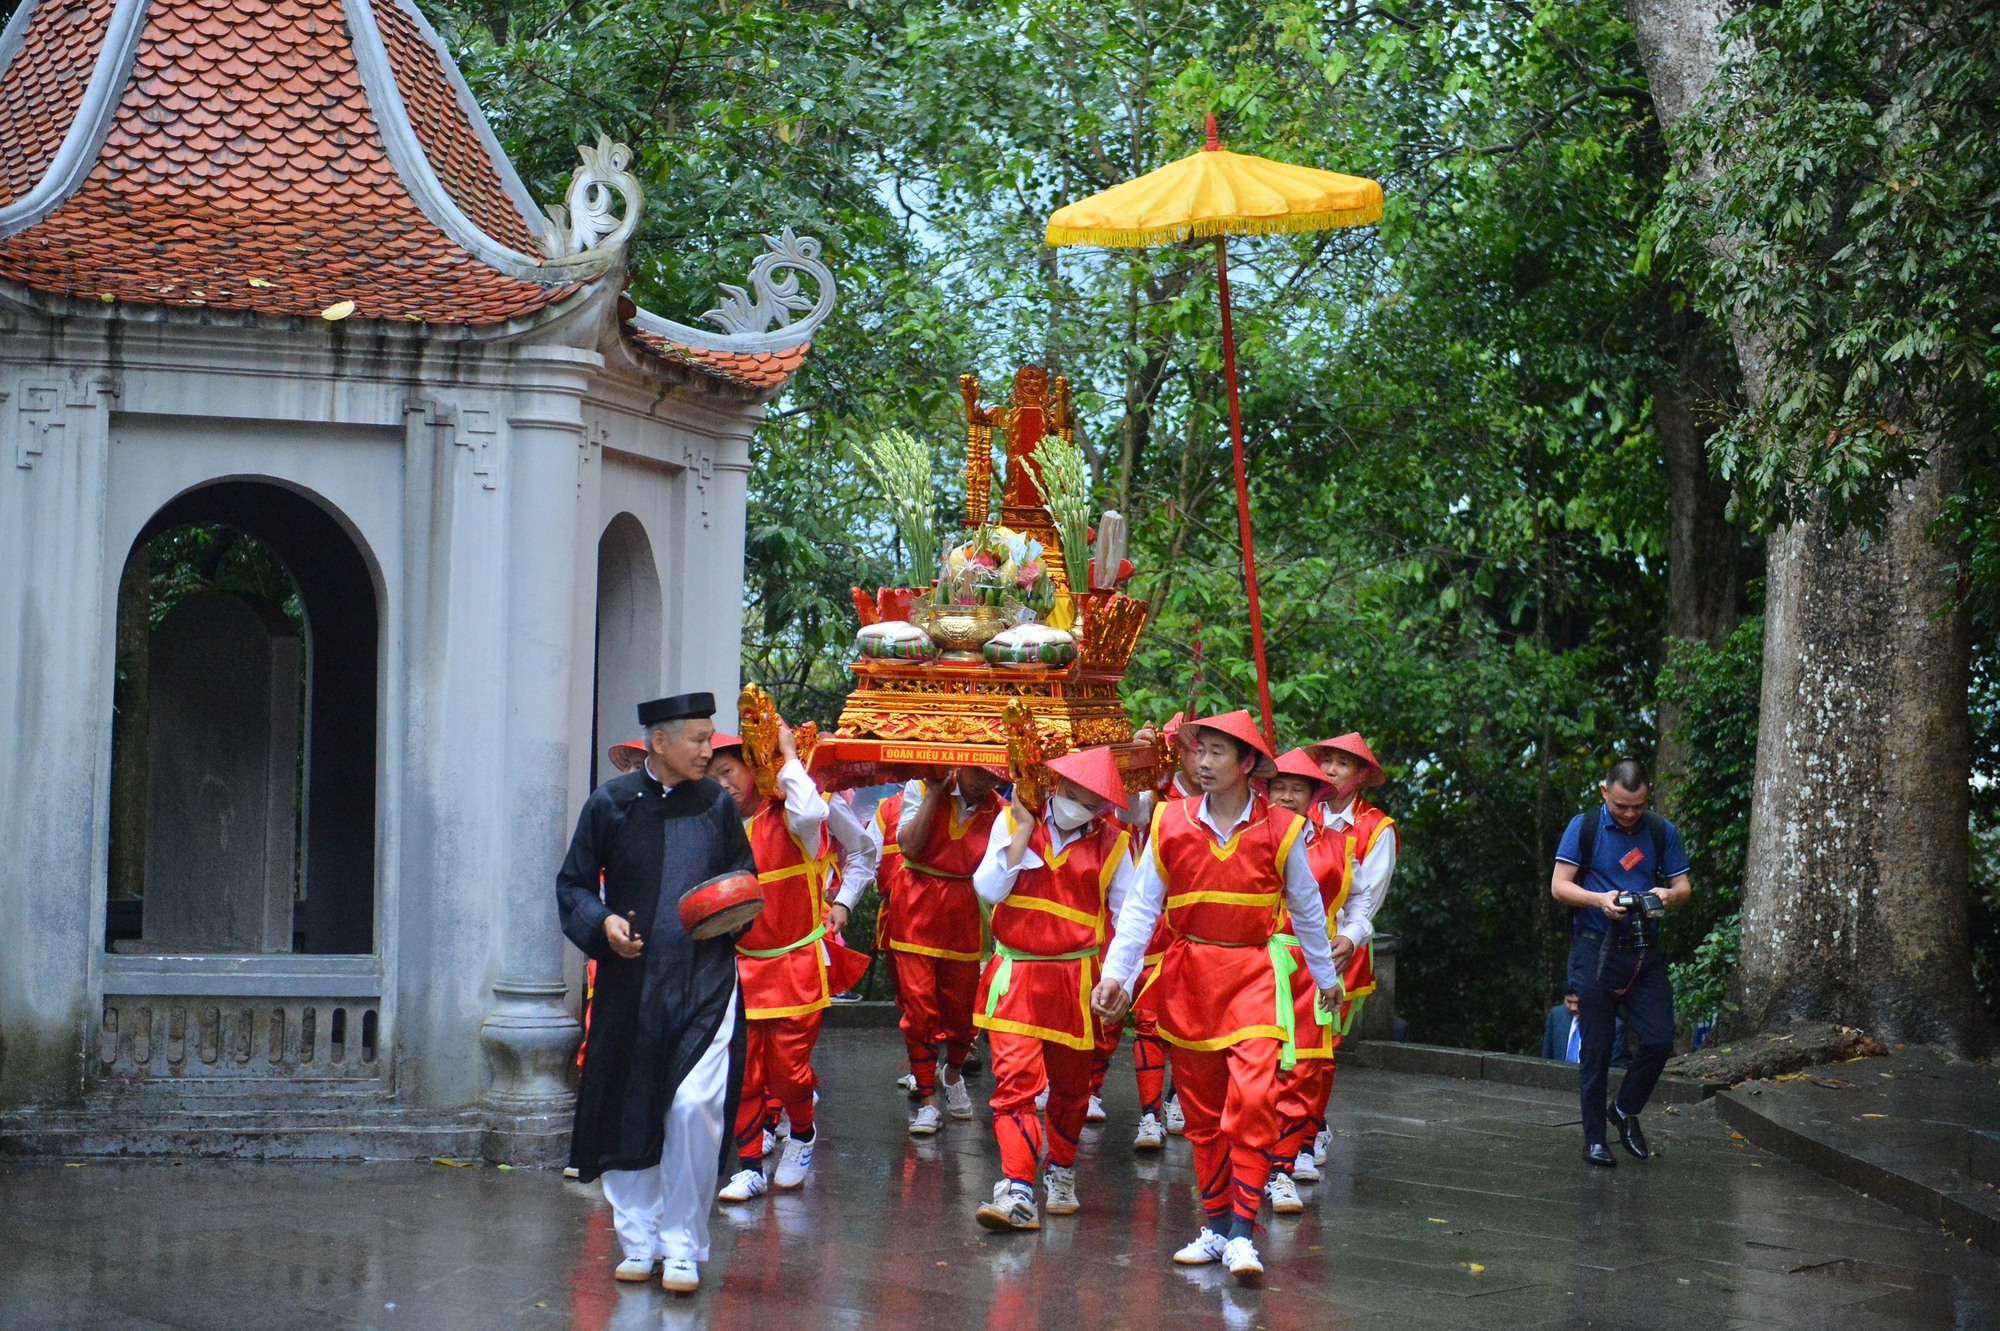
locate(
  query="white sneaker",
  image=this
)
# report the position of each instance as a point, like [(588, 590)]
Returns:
[(1305, 1169), (744, 1185), (958, 1099), (680, 1275), (1095, 1113), (1176, 1120), (1042, 1098), (1320, 1145), (1240, 1256), (1151, 1136), (927, 1121), (770, 1141), (1208, 1246), (907, 1083), (794, 1163), (1010, 1209), (1284, 1194), (1059, 1182), (634, 1269)]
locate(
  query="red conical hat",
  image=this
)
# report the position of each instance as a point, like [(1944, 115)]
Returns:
[(1299, 763), (721, 741), (636, 745), (1174, 730), (1353, 745), (1238, 725), (1096, 770)]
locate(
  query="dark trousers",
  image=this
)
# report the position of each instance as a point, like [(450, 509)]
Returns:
[(1646, 997)]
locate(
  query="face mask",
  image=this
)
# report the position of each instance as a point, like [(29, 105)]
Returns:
[(1068, 814)]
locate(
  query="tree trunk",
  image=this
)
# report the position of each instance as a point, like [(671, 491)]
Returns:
[(1706, 557), (1854, 899)]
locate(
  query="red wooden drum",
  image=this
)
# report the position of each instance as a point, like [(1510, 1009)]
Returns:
[(723, 904)]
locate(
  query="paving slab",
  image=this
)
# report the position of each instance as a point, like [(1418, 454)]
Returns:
[(1446, 1203)]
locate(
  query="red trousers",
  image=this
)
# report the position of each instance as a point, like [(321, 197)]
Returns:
[(1100, 1057), (1022, 1064), (1149, 1063), (935, 997), (1303, 1094), (777, 1065), (1230, 1097)]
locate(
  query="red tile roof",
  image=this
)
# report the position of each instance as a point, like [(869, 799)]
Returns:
[(763, 371), (244, 170), (450, 141)]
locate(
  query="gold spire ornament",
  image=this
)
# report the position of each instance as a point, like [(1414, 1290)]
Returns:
[(1028, 753), (758, 716)]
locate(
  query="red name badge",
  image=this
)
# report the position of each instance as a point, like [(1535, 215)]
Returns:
[(1633, 859)]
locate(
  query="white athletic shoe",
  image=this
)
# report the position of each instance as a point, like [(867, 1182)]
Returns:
[(794, 1163), (1305, 1169), (907, 1083), (1011, 1208), (1042, 1098), (1240, 1256), (1284, 1194), (1095, 1113), (1208, 1246), (1320, 1145), (1176, 1120), (1151, 1136), (744, 1185), (634, 1269), (958, 1099), (680, 1275), (770, 1141), (927, 1121), (1059, 1182)]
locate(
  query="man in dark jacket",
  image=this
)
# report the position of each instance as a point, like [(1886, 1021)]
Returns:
[(666, 1037)]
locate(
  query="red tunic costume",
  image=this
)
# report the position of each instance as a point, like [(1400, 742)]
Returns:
[(782, 965), (1034, 998), (1218, 990), (1304, 1092), (936, 936), (1149, 1051)]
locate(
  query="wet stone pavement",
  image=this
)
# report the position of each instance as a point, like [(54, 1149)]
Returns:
[(1445, 1204)]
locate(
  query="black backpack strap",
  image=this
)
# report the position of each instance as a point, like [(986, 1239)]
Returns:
[(1586, 844), (1658, 827)]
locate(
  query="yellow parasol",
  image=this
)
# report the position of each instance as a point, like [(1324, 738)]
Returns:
[(1220, 193)]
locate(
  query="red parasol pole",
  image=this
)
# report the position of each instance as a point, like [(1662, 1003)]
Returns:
[(1242, 483)]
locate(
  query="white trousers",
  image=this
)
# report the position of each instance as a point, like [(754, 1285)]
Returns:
[(663, 1211)]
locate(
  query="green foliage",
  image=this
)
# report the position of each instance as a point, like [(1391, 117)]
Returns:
[(212, 557), (1717, 689), (1842, 198)]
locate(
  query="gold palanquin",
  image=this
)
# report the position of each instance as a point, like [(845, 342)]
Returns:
[(906, 717)]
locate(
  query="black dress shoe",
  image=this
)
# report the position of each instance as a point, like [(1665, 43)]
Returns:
[(1597, 1153), (1628, 1132)]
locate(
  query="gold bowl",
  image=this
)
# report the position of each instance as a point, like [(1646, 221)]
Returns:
[(964, 630)]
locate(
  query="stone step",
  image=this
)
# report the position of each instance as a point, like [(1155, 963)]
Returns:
[(345, 1132)]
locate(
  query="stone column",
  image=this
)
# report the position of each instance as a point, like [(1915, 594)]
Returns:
[(529, 1037)]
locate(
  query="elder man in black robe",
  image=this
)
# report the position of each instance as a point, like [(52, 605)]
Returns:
[(666, 1030)]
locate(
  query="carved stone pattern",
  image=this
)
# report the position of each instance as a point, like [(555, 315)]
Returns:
[(143, 1038), (45, 406), (774, 295), (589, 221), (700, 464)]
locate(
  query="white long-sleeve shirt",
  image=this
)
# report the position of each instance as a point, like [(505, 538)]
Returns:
[(805, 808), (913, 796), (860, 851), (994, 881), (1370, 886), (1149, 897)]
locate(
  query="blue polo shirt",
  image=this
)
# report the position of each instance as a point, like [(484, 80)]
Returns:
[(1621, 861)]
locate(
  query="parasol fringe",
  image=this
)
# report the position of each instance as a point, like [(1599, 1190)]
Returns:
[(1200, 230)]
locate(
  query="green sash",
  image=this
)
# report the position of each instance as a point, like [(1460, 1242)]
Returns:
[(807, 941), (1003, 974)]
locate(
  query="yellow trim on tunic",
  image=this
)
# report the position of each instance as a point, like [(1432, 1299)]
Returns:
[(1224, 1041), (939, 953)]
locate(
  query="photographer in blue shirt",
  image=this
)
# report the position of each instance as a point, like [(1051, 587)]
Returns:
[(1619, 869)]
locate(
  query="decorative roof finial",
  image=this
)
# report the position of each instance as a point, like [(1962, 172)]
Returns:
[(589, 222), (777, 290)]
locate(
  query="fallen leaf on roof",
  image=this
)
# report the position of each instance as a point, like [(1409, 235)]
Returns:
[(337, 311), (259, 283)]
